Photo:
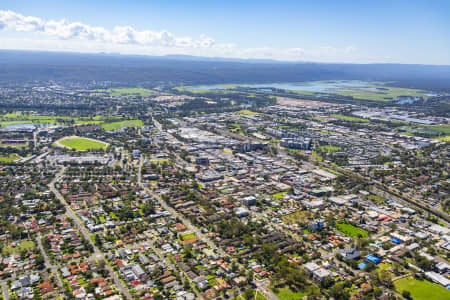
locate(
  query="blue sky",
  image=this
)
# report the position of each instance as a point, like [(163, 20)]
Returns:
[(329, 31)]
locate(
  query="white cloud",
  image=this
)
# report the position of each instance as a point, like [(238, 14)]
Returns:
[(76, 36), (118, 35)]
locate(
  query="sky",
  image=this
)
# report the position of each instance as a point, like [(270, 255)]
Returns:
[(392, 31)]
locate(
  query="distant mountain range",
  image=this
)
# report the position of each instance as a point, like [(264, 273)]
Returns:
[(18, 66)]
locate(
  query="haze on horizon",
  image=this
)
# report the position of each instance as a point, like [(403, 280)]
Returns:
[(412, 32)]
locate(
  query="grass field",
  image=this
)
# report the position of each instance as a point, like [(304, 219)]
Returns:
[(14, 119), (326, 132), (259, 296), (25, 245), (385, 266), (287, 294), (350, 119), (120, 124), (159, 160), (197, 89), (441, 128), (13, 145), (444, 139), (376, 91), (236, 129), (128, 92), (246, 112), (317, 156), (227, 151), (81, 144), (188, 236), (330, 148), (317, 119), (421, 290), (377, 199), (278, 195), (351, 230), (439, 132), (7, 158), (387, 94), (107, 123), (297, 216)]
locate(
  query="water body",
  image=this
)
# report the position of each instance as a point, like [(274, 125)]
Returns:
[(408, 100), (316, 87), (206, 87), (27, 125)]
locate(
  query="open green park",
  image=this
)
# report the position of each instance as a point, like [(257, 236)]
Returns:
[(278, 195), (439, 132), (22, 246), (159, 161), (206, 88), (330, 148), (20, 118), (188, 236), (246, 112), (375, 91), (349, 118), (128, 92), (8, 158), (421, 289), (107, 123), (299, 216), (81, 144), (377, 199), (256, 296), (352, 230), (121, 124), (382, 93), (16, 146), (285, 293)]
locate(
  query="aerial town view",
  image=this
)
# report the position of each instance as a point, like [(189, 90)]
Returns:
[(141, 164)]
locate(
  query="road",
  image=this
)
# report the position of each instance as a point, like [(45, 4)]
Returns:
[(263, 289), (175, 213), (391, 193), (167, 262), (35, 139), (48, 263), (5, 290), (98, 255)]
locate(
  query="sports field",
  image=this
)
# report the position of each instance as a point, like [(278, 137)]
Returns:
[(7, 158), (19, 118), (421, 289), (81, 144), (121, 124)]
